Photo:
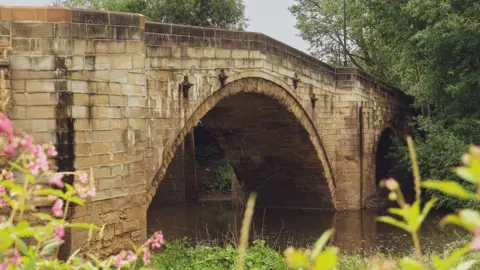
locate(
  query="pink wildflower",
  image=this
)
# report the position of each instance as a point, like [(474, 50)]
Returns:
[(3, 203), (157, 240), (9, 149), (41, 162), (27, 142), (59, 233), (92, 192), (2, 190), (84, 178), (34, 168), (131, 256), (475, 244), (6, 125), (119, 261), (83, 195), (57, 208), (9, 175), (146, 256), (56, 180), (51, 151), (15, 259)]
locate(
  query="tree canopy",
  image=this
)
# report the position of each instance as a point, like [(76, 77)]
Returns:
[(429, 48), (208, 13)]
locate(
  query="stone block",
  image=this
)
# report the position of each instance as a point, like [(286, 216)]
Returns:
[(121, 62), (119, 76), (45, 112)]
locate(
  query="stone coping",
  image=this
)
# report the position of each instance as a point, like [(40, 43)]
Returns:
[(61, 14), (263, 42)]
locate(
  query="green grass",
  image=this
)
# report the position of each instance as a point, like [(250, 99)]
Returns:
[(181, 255)]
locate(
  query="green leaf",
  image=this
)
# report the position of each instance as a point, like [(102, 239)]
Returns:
[(320, 243), (43, 216), (393, 222), (466, 174), (467, 218), (54, 192), (326, 260), (6, 240), (410, 264), (296, 259), (465, 265), (22, 247), (83, 226), (413, 216), (426, 209), (449, 187), (77, 200), (50, 248), (396, 211), (439, 264), (32, 264)]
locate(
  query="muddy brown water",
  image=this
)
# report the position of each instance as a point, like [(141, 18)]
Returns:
[(356, 232)]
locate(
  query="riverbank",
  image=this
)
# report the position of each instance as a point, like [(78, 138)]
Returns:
[(181, 255)]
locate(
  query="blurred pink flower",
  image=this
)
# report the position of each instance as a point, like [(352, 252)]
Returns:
[(391, 184), (9, 149), (59, 233), (6, 125), (51, 151), (15, 259), (131, 256), (157, 240), (475, 244), (2, 190), (57, 208), (9, 175), (146, 256), (3, 203), (56, 180), (84, 178), (92, 192), (119, 261), (27, 142)]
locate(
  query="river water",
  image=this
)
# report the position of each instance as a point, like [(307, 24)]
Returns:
[(356, 232)]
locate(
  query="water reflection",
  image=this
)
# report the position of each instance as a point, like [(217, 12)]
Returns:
[(355, 231)]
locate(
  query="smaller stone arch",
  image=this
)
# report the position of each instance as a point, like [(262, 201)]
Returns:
[(249, 82), (384, 141)]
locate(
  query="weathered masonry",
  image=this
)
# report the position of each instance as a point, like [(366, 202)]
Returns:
[(121, 96)]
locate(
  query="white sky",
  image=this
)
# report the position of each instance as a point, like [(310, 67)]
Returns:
[(270, 17)]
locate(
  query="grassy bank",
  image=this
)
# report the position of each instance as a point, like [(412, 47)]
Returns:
[(181, 255)]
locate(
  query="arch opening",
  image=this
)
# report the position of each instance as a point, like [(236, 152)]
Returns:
[(269, 147), (384, 162)]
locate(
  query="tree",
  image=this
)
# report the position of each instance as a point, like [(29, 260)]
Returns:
[(228, 14), (429, 48)]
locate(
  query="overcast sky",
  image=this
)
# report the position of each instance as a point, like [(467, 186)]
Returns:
[(270, 17)]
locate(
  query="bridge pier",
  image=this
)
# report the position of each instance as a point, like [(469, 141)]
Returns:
[(180, 182)]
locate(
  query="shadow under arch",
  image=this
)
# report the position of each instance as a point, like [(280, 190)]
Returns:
[(384, 163), (247, 89)]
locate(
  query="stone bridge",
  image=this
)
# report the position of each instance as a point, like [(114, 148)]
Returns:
[(121, 96)]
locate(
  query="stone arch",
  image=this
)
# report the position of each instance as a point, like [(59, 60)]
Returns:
[(252, 82)]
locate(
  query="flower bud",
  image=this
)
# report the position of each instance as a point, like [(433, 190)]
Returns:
[(466, 159), (475, 151), (392, 196), (391, 184)]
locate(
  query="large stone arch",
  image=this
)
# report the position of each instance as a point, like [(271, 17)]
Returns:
[(250, 82)]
